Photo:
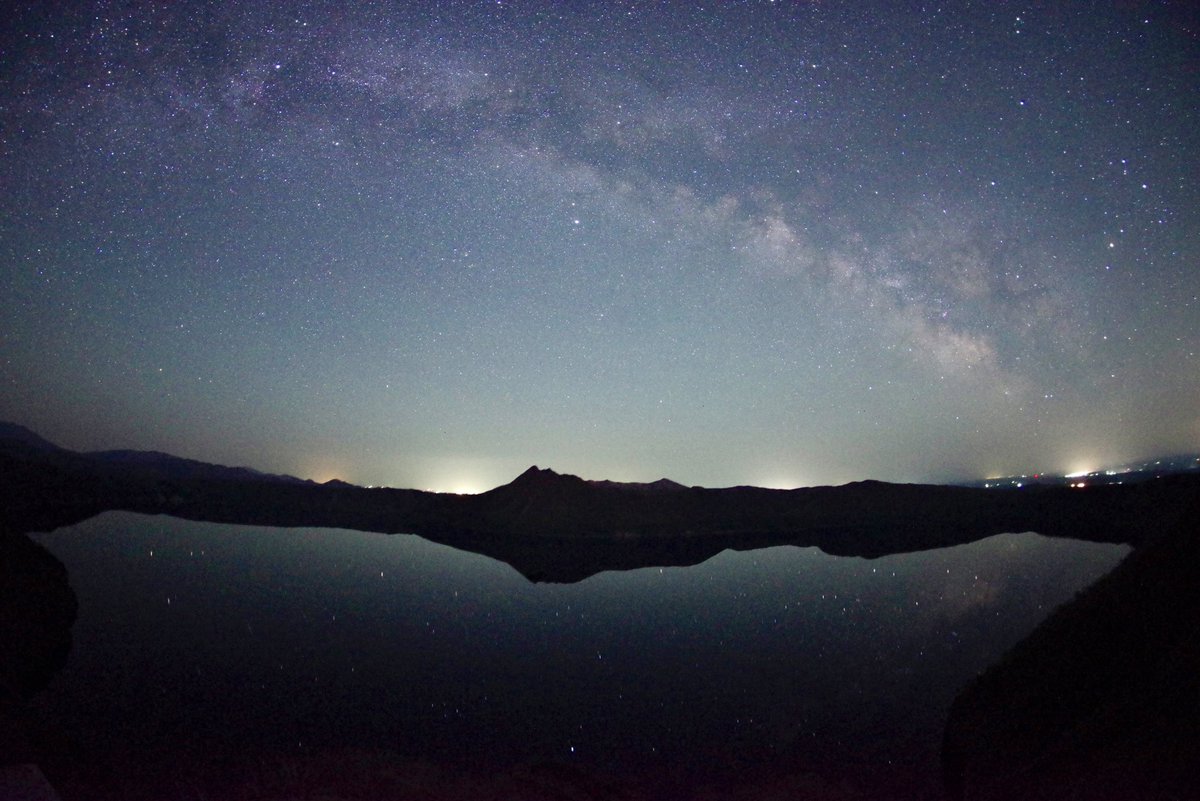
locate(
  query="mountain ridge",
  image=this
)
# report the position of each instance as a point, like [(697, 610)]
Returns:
[(19, 433), (599, 525), (182, 467), (545, 476)]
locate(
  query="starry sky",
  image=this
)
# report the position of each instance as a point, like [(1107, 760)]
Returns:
[(427, 245)]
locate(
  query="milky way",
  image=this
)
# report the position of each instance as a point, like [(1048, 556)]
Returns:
[(765, 243)]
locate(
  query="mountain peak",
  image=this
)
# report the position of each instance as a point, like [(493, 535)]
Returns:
[(534, 471), (538, 479)]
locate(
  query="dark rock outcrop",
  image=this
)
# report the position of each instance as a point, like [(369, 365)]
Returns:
[(1102, 701), (37, 610)]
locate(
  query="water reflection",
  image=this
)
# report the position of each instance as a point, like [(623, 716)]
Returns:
[(244, 658)]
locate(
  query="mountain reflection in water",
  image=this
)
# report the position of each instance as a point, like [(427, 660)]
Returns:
[(250, 662)]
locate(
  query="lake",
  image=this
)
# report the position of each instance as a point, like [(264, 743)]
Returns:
[(214, 661)]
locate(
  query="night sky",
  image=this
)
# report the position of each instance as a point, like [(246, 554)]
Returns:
[(769, 243)]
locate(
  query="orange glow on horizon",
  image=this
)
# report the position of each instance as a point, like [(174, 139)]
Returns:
[(322, 469)]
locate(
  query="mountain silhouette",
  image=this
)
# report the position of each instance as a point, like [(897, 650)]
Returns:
[(661, 485), (19, 433), (558, 527), (177, 467)]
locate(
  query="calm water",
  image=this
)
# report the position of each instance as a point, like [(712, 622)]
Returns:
[(214, 660)]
